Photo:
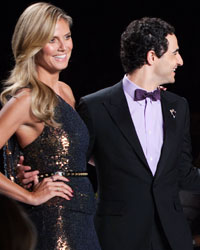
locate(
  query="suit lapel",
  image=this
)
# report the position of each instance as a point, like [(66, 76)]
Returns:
[(169, 121), (118, 109)]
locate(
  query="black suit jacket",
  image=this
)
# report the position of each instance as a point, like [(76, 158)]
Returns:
[(129, 196)]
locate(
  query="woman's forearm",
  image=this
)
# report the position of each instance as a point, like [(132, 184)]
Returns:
[(13, 190)]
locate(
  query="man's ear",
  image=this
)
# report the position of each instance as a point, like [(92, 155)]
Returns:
[(151, 57)]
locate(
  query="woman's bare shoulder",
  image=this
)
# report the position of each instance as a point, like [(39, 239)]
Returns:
[(68, 92)]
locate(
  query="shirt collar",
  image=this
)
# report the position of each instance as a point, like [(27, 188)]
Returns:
[(129, 87)]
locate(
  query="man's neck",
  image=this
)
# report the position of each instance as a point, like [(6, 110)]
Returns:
[(143, 80)]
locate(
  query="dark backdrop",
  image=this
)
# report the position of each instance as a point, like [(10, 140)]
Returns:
[(96, 31)]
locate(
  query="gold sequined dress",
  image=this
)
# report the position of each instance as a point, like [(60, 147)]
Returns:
[(62, 224)]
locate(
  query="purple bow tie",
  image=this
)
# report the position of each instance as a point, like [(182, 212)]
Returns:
[(143, 94)]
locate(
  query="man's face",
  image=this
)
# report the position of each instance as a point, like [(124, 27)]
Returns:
[(167, 64)]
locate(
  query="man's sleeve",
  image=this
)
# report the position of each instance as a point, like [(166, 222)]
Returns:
[(86, 115)]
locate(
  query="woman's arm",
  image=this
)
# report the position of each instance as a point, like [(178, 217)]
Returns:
[(45, 190), (15, 116)]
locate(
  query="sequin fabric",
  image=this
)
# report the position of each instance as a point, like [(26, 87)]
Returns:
[(62, 224)]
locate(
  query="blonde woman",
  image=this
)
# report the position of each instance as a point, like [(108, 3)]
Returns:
[(39, 110)]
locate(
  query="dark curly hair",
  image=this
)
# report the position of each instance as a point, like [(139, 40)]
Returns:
[(141, 36)]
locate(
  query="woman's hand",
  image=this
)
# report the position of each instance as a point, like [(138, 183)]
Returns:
[(162, 88), (44, 190), (25, 176), (49, 188)]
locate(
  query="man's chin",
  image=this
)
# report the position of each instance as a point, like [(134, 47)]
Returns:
[(171, 82)]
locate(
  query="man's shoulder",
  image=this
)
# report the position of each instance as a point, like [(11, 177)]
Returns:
[(173, 97), (101, 94)]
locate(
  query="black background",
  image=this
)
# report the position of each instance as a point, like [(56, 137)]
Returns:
[(96, 30)]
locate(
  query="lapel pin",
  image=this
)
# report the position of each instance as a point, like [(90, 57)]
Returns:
[(173, 112)]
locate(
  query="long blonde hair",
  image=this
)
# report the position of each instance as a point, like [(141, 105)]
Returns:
[(35, 27)]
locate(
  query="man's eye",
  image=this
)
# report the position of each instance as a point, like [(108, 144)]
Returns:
[(68, 37)]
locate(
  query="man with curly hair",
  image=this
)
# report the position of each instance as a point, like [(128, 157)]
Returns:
[(140, 143)]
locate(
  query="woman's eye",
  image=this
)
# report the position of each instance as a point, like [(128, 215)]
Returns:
[(52, 40)]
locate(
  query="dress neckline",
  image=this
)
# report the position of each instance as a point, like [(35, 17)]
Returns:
[(64, 101)]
